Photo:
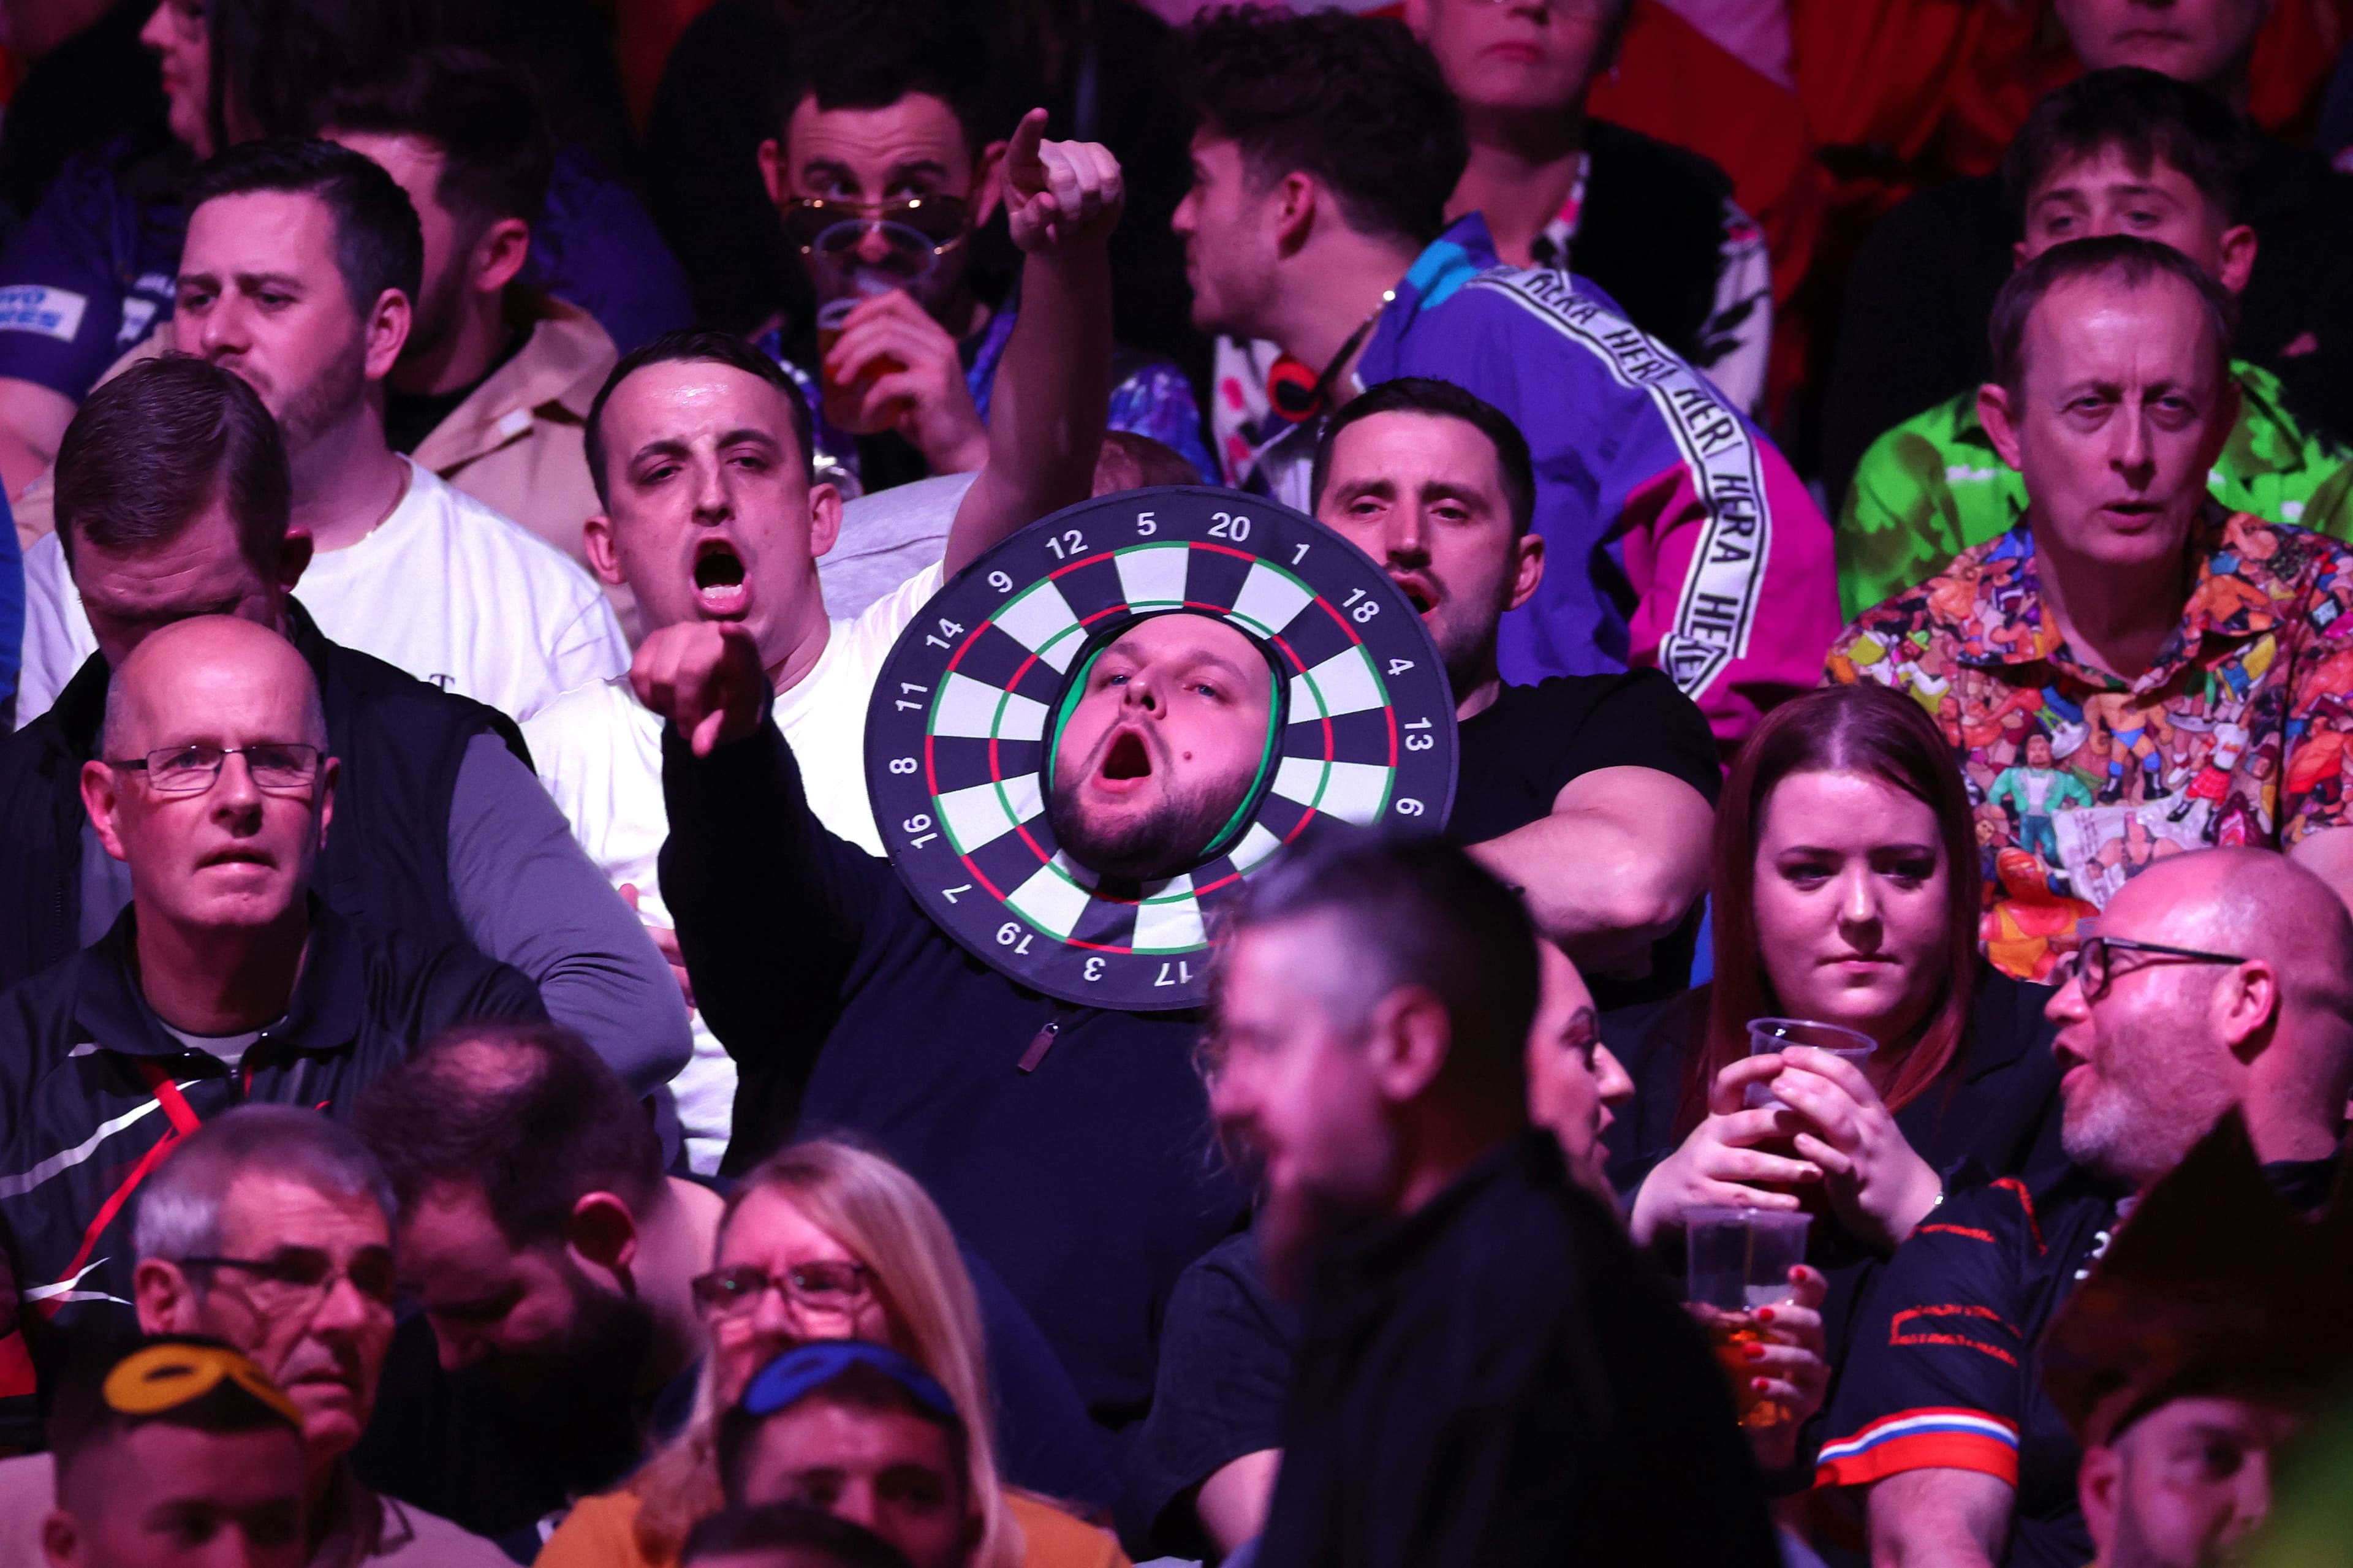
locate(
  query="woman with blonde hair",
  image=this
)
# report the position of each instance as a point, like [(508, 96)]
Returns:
[(820, 1241)]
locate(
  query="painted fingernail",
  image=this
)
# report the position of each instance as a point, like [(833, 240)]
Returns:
[(1754, 1352), (1756, 1382), (1763, 1315)]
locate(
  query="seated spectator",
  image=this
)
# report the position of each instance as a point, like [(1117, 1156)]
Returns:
[(708, 511), (2196, 1351), (271, 1228), (1329, 147), (94, 266), (173, 502), (1654, 226), (824, 1243), (300, 266), (1592, 793), (1908, 334), (492, 387), (1474, 1311), (175, 1436), (1845, 892), (227, 979), (2186, 667), (1203, 1467), (883, 166), (2118, 152), (866, 1434), (2217, 979), (785, 1535)]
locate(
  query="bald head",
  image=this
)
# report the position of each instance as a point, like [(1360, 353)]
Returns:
[(185, 669), (2229, 983), (224, 836), (2257, 904)]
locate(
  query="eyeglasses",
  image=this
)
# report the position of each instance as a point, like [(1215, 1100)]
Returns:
[(940, 220), (829, 1286), (294, 1277), (279, 767), (2093, 966)]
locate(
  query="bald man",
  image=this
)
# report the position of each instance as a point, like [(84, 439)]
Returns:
[(2216, 979), (226, 980)]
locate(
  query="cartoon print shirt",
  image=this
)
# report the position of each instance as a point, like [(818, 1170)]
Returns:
[(2235, 735)]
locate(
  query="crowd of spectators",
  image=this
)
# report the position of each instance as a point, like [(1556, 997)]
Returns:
[(485, 1076)]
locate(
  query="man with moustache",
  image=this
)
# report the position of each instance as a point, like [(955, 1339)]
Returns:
[(227, 980), (1486, 1370), (271, 1230)]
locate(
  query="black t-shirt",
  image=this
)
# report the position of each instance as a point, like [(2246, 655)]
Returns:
[(1522, 751)]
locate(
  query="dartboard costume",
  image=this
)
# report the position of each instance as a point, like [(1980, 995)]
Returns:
[(1057, 1118)]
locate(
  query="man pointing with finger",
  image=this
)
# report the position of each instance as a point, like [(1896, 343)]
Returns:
[(699, 448)]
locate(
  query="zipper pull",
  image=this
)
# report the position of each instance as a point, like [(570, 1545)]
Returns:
[(1039, 1046)]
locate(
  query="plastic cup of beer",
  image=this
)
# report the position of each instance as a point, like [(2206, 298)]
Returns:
[(1738, 1261), (852, 261), (1768, 1035)]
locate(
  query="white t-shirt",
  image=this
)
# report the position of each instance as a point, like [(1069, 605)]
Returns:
[(599, 752), (445, 589)]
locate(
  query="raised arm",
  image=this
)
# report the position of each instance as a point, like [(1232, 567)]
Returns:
[(1063, 199)]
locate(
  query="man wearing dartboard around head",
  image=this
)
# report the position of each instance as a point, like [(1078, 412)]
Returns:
[(1077, 750)]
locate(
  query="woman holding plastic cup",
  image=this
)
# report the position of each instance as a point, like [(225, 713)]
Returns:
[(1845, 894)]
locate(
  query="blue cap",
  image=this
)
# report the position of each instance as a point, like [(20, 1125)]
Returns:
[(804, 1369)]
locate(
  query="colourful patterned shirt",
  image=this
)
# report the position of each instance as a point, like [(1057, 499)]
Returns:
[(2236, 734), (1934, 486)]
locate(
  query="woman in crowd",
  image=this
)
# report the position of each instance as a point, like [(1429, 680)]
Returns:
[(1845, 891), (826, 1241)]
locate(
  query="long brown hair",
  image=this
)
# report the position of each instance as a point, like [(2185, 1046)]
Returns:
[(1859, 729)]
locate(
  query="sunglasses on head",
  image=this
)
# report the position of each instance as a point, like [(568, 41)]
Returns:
[(940, 220)]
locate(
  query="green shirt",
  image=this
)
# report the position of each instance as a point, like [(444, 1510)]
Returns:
[(1934, 486)]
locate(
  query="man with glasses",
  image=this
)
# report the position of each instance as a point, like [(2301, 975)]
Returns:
[(883, 171), (2218, 979), (227, 980), (271, 1230)]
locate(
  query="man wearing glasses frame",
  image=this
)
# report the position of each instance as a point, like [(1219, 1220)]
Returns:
[(270, 1231), (226, 981), (2216, 980)]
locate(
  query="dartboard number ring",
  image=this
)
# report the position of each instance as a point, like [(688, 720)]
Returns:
[(961, 721)]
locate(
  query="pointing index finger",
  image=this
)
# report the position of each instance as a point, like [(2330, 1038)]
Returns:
[(1023, 162)]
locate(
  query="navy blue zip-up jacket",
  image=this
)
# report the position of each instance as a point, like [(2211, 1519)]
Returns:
[(95, 1092)]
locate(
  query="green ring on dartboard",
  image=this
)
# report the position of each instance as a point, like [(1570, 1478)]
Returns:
[(962, 717)]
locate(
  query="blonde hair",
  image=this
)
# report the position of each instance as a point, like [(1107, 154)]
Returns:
[(886, 1220)]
